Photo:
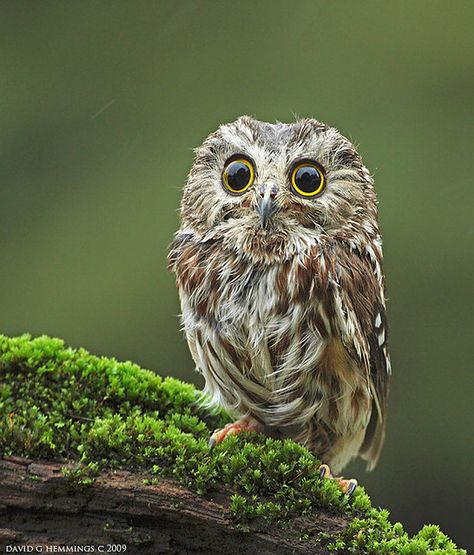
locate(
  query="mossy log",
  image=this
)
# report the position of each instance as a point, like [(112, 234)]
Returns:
[(95, 452), (41, 507)]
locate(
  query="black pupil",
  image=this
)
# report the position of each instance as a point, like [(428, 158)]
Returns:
[(238, 175), (308, 179)]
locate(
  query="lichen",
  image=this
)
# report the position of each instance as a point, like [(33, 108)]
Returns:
[(66, 404)]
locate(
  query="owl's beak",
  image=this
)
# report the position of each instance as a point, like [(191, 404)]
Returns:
[(266, 205)]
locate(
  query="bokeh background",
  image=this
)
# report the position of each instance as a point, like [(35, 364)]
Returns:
[(101, 104)]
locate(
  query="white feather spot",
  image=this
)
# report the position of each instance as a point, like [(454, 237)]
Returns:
[(378, 321), (388, 364), (381, 338)]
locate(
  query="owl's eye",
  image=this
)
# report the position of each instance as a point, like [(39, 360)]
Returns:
[(307, 178), (238, 175)]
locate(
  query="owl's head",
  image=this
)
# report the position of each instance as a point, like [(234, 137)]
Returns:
[(278, 187)]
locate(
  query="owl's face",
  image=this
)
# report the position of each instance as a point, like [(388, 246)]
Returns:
[(274, 187)]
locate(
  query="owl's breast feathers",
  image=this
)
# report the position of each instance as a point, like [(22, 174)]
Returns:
[(300, 344)]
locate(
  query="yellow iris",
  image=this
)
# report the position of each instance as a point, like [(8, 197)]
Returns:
[(307, 179), (238, 175)]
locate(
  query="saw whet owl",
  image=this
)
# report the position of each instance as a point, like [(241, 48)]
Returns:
[(278, 264)]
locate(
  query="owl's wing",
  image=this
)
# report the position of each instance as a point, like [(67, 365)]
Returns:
[(379, 382), (180, 240), (362, 292)]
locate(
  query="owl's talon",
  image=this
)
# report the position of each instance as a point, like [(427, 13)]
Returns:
[(214, 439), (347, 486), (324, 472), (212, 443), (351, 487)]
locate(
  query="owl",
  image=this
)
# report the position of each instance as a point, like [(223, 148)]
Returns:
[(278, 264)]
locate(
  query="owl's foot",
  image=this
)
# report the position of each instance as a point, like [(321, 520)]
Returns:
[(347, 486), (246, 424)]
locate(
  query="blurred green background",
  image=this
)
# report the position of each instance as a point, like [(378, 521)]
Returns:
[(101, 104)]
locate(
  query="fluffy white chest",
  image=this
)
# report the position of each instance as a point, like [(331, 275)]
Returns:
[(256, 355), (275, 342)]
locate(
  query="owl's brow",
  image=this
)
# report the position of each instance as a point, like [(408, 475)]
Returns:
[(276, 135), (306, 129)]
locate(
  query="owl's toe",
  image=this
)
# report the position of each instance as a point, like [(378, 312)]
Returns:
[(347, 486), (247, 424), (212, 442), (324, 471)]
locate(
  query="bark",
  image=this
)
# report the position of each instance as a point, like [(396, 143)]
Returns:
[(40, 507)]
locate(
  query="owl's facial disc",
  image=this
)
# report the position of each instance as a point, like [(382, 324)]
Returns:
[(272, 185)]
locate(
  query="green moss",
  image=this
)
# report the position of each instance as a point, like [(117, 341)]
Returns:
[(61, 403), (81, 476)]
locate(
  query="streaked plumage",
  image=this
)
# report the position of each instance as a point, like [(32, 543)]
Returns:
[(287, 322)]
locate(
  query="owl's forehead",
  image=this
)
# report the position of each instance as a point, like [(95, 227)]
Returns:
[(274, 136), (280, 141)]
